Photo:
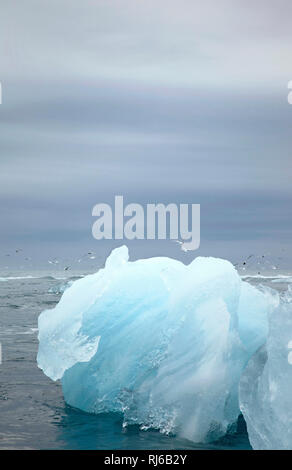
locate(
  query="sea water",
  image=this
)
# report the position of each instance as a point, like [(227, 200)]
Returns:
[(33, 414)]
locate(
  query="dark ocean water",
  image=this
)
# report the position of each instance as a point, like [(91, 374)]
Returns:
[(33, 414)]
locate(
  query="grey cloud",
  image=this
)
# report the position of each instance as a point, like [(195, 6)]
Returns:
[(159, 101)]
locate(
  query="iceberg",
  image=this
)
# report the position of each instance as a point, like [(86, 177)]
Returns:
[(163, 343), (266, 385)]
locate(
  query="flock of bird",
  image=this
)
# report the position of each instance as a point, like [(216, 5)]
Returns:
[(255, 262), (250, 262), (90, 255)]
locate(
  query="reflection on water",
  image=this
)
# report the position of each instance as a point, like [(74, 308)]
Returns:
[(78, 430)]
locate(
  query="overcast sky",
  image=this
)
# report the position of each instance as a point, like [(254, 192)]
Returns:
[(160, 101)]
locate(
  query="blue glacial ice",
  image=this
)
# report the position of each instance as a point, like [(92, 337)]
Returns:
[(266, 384), (161, 342)]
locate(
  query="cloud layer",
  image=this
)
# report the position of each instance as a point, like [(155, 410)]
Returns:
[(160, 101)]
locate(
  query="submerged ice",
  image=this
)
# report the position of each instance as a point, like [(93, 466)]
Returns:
[(163, 343)]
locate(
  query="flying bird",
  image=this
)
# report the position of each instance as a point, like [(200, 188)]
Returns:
[(182, 246)]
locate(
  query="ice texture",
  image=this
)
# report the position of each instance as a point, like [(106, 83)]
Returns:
[(161, 342), (266, 385)]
